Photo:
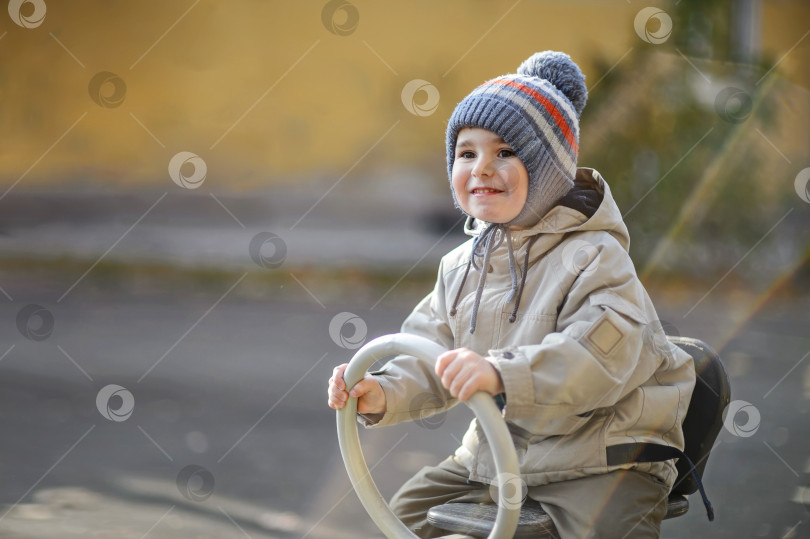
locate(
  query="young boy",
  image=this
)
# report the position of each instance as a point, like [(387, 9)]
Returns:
[(542, 309)]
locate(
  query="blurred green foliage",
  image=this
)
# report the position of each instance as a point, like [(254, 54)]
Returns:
[(682, 143)]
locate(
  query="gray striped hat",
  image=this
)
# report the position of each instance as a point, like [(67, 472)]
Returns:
[(536, 112)]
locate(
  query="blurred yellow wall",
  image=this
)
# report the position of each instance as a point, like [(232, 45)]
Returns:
[(264, 92)]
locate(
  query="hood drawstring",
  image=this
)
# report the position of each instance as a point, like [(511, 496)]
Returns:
[(513, 317), (488, 242)]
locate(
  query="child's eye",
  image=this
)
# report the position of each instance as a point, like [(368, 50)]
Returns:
[(506, 153), (466, 155)]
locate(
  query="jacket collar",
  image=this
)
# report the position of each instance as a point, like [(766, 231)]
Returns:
[(561, 219)]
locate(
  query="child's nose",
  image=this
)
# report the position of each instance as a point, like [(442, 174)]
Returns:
[(483, 167)]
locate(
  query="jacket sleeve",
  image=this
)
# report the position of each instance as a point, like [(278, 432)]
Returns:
[(594, 357), (412, 389)]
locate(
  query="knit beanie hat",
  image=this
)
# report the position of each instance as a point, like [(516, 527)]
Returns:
[(536, 112)]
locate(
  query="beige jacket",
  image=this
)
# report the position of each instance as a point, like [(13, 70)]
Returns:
[(585, 365)]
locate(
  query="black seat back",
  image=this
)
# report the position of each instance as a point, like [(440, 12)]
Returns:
[(704, 418)]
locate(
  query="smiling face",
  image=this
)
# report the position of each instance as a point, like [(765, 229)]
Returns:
[(489, 181)]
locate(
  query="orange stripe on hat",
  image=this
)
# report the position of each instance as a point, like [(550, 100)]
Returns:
[(548, 105)]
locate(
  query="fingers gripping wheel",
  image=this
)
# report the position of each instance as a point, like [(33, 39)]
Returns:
[(489, 417)]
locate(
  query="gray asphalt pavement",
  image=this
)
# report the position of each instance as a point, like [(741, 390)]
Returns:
[(227, 433)]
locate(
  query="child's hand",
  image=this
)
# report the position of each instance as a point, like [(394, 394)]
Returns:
[(463, 372), (370, 396)]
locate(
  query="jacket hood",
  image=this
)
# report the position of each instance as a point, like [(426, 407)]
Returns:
[(562, 220)]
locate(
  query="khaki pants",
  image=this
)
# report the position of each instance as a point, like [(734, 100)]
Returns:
[(621, 504)]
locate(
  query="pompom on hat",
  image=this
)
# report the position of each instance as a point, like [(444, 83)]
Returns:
[(536, 112)]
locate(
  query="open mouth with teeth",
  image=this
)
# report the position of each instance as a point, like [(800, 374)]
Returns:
[(483, 191)]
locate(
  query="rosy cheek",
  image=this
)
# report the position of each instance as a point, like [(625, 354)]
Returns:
[(460, 191), (460, 177), (507, 178)]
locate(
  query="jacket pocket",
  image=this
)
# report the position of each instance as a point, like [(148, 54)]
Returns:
[(581, 452), (528, 328), (561, 426), (659, 413), (646, 413)]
